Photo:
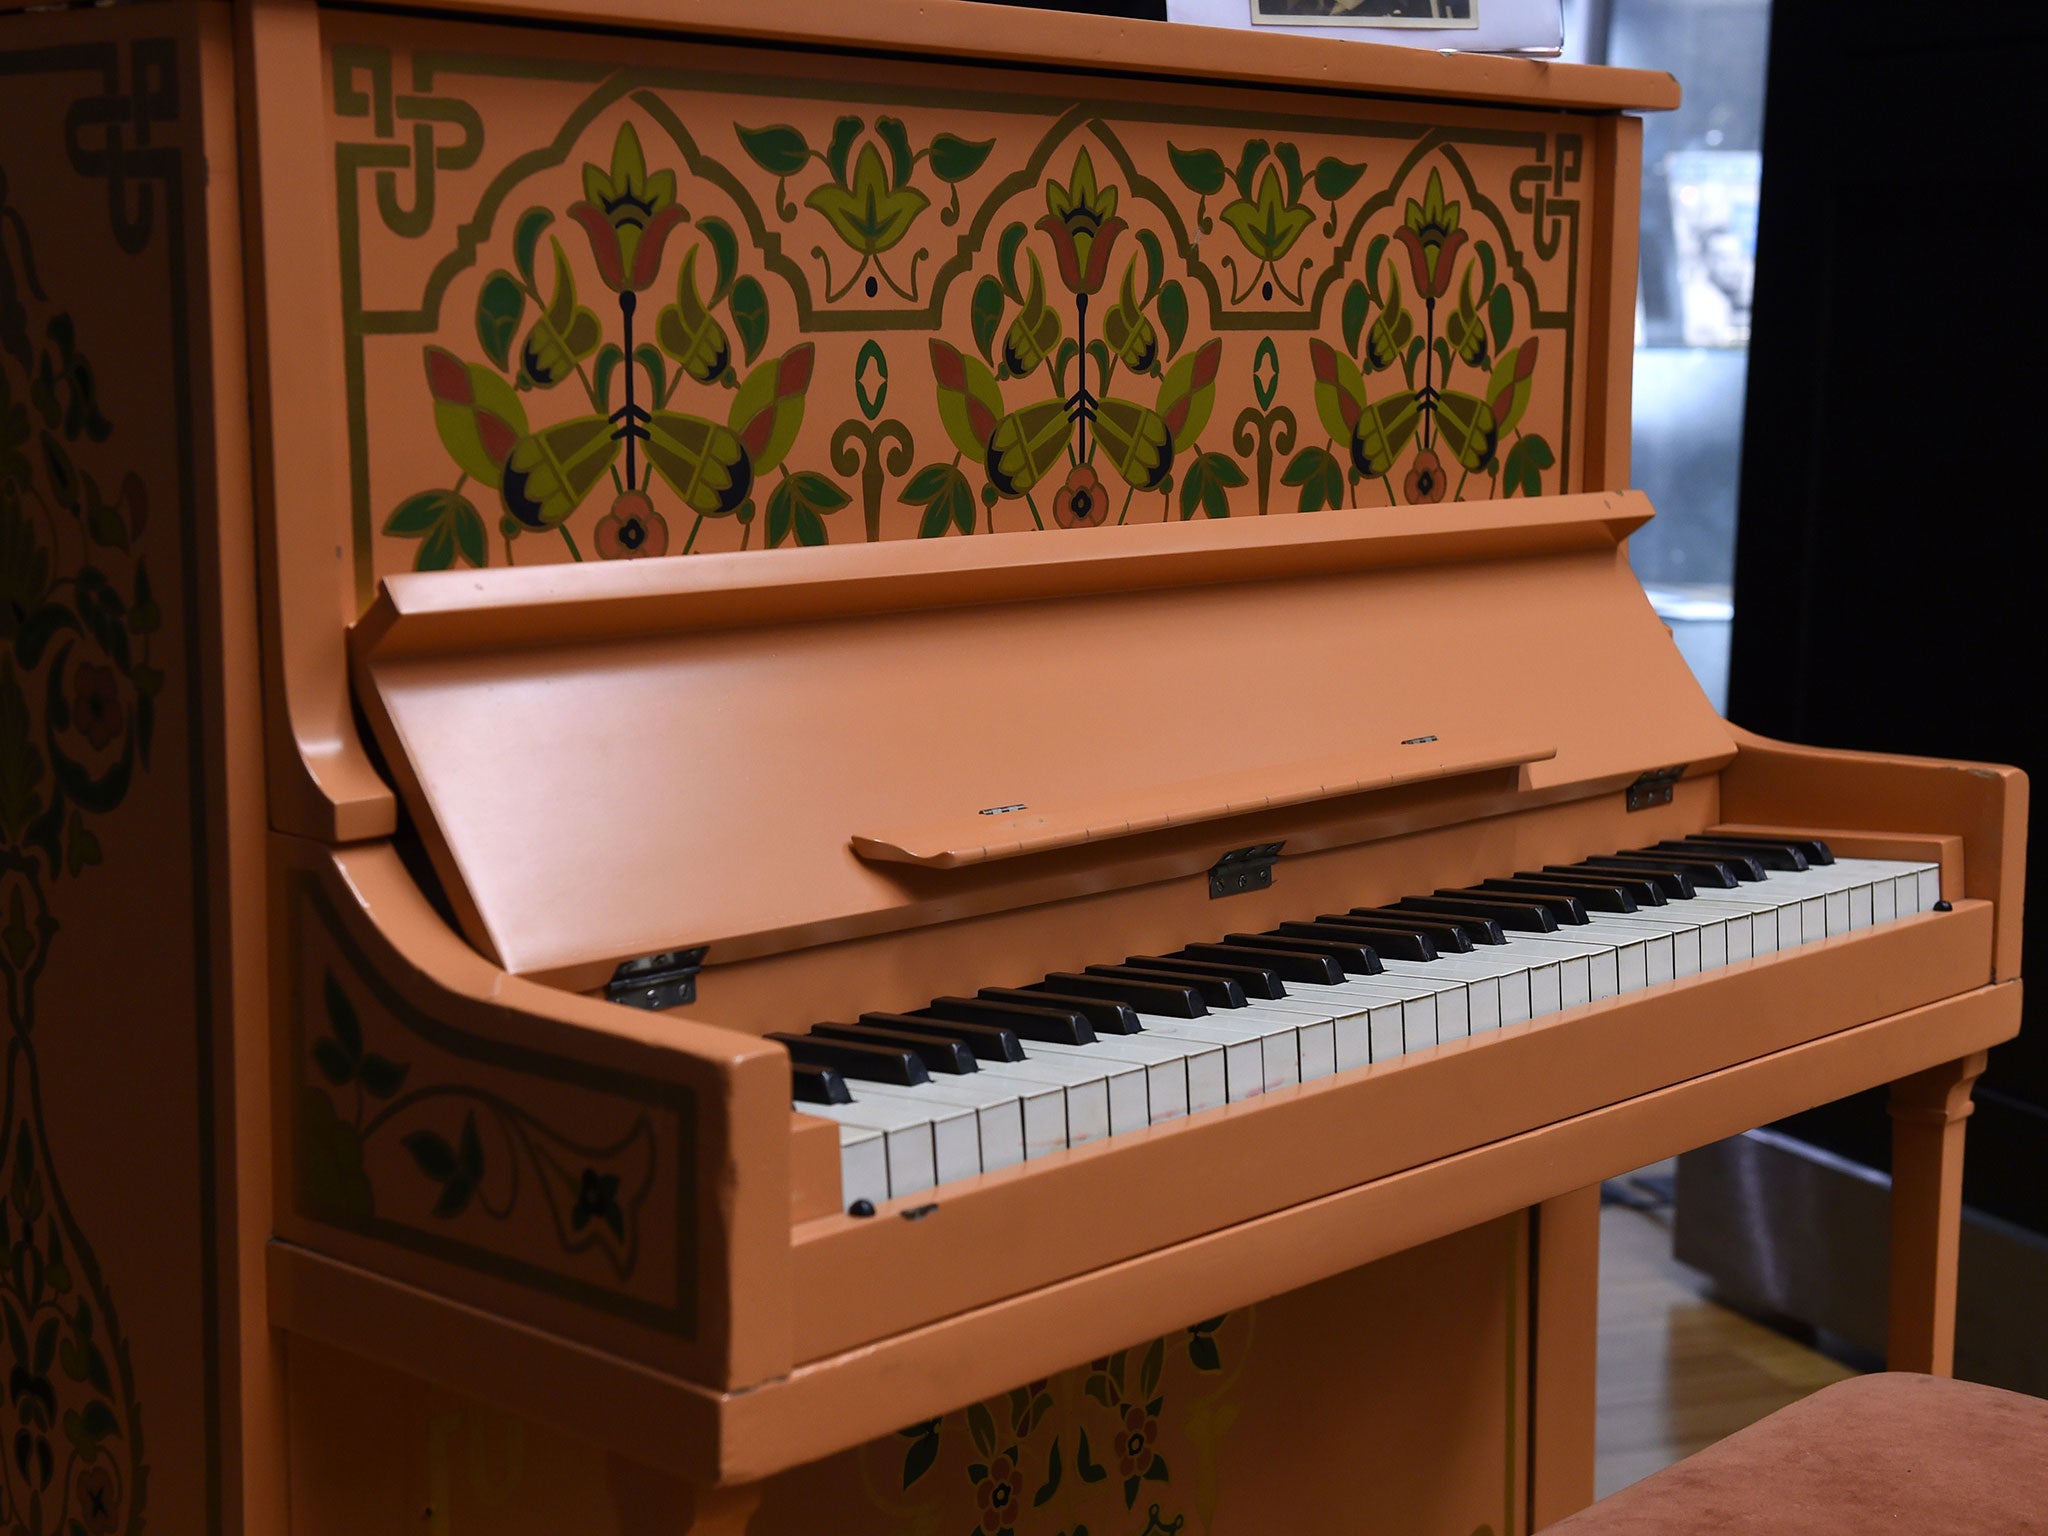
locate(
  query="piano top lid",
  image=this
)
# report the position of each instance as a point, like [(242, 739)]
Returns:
[(767, 750), (957, 32)]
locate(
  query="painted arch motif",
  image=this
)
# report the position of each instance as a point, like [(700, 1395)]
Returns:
[(711, 312)]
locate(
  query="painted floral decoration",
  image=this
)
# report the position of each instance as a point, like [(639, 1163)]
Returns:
[(628, 215), (1430, 235), (1081, 219)]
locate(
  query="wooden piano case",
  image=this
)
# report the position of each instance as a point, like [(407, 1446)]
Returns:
[(331, 1166)]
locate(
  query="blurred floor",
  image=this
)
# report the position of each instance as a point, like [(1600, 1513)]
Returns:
[(1677, 1372)]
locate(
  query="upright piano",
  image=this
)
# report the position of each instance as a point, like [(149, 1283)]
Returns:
[(765, 766)]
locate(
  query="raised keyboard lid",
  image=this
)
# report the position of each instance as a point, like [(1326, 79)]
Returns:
[(763, 751)]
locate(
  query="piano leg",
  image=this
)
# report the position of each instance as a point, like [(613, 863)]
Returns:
[(1928, 1113), (1565, 1332)]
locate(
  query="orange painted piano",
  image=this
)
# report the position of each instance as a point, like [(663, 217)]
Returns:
[(767, 767)]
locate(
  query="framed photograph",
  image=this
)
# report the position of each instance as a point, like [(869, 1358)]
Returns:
[(1438, 15)]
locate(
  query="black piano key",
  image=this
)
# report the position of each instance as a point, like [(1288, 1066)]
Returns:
[(1594, 898), (1745, 867), (1769, 855), (1106, 1015), (1252, 980), (939, 1053), (1645, 891), (1291, 965), (1707, 874), (1816, 851), (1354, 954), (989, 1042), (1464, 932), (813, 1084), (1675, 882), (871, 1063), (1566, 909), (1393, 943), (1061, 1026), (1216, 991), (1165, 998), (1528, 917)]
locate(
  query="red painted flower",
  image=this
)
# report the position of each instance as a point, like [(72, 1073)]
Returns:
[(999, 1494), (1430, 235), (1425, 482), (1081, 220), (1081, 502), (628, 215), (97, 1500), (631, 529), (1134, 1446), (96, 705)]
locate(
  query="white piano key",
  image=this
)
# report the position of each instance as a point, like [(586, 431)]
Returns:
[(1481, 987), (1244, 1056), (906, 1131), (863, 1165), (998, 1109), (1930, 887), (1167, 1066), (1086, 1085)]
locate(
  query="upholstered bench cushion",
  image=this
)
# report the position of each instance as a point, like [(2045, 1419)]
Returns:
[(1916, 1455)]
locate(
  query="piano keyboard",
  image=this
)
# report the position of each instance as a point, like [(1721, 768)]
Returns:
[(968, 1085)]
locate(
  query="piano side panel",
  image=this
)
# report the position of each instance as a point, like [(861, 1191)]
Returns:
[(855, 230), (130, 802), (572, 1165), (1389, 1401)]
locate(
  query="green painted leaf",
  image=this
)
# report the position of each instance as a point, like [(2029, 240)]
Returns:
[(1027, 444), (725, 253), (955, 159), (982, 1428), (1006, 260), (455, 1197), (1051, 1485), (1501, 309), (609, 357), (985, 315), (844, 132), (1173, 314), (1202, 1353), (1136, 441), (750, 315), (872, 215), (1188, 393), (1321, 479), (1485, 250), (549, 474), (1508, 389), (768, 409), (688, 332), (416, 515), (1248, 162), (1339, 390), (1131, 337), (469, 1152), (1203, 489), (948, 501), (1374, 253), (341, 1018), (333, 1062), (970, 404), (919, 1458), (1155, 1357), (1200, 170), (1155, 264), (1130, 1492), (897, 137), (564, 335), (431, 1154), (526, 238), (1383, 430), (1036, 330), (469, 536), (1290, 162), (702, 462), (500, 306), (1357, 304), (1465, 425), (1391, 330), (382, 1077), (779, 150), (1526, 461), (436, 551), (477, 414), (1335, 177), (1269, 226)]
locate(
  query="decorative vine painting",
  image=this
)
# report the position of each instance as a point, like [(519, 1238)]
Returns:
[(79, 680), (668, 311)]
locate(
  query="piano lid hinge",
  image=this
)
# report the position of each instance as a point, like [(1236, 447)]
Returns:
[(1654, 788), (666, 980), (1243, 869)]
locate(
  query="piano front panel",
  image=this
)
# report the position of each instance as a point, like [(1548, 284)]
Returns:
[(896, 264), (1391, 1400)]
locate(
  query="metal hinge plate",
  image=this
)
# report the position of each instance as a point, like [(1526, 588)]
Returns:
[(1654, 788), (1243, 869), (666, 980)]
